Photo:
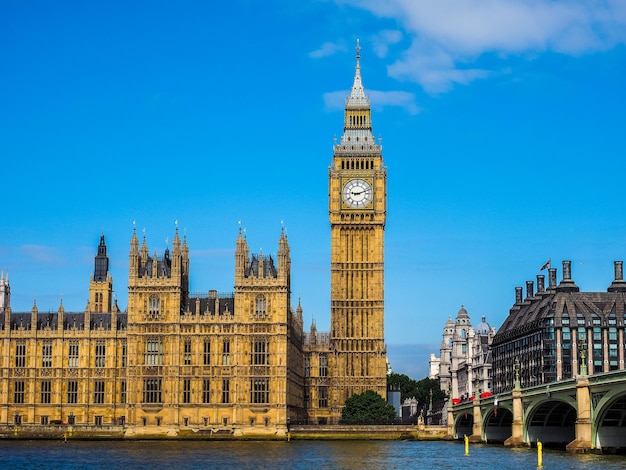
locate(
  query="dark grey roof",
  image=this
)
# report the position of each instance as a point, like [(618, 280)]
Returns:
[(269, 270), (602, 307)]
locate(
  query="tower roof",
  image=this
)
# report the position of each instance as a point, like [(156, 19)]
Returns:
[(357, 138), (357, 97)]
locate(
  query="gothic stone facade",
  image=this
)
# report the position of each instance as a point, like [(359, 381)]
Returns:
[(173, 361), (237, 362)]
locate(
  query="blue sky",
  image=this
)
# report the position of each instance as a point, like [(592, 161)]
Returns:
[(503, 126)]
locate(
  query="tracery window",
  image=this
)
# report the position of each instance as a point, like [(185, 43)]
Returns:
[(73, 354), (46, 354), (20, 354), (18, 392), (153, 352), (152, 390), (206, 391), (155, 306), (323, 397), (259, 391), (100, 354), (46, 389), (187, 391), (207, 352), (98, 391), (72, 392), (260, 352), (226, 354), (260, 309), (187, 352), (226, 391), (323, 365)]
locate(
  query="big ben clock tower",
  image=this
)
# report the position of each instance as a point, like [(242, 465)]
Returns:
[(357, 198)]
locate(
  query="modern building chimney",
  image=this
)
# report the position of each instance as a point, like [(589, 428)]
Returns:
[(618, 285), (567, 284), (618, 267), (530, 290), (552, 278), (540, 283)]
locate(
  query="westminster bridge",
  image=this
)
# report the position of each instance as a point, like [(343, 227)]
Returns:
[(581, 414)]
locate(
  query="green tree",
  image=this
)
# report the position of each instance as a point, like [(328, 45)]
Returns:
[(367, 408), (410, 388)]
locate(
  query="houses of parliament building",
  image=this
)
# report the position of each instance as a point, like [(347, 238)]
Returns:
[(238, 363)]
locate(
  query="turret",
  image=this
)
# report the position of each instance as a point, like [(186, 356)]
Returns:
[(61, 316), (101, 283), (33, 315), (5, 300), (101, 264), (5, 292), (284, 260), (134, 255), (241, 257)]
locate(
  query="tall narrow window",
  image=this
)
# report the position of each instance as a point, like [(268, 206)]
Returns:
[(152, 390), (260, 306), (226, 353), (46, 389), (124, 354), (73, 355), (206, 391), (187, 391), (323, 397), (98, 391), (72, 392), (323, 365), (123, 391), (20, 354), (153, 352), (46, 354), (187, 352), (260, 352), (307, 366), (225, 391), (100, 354), (259, 391), (155, 306), (207, 352), (18, 392)]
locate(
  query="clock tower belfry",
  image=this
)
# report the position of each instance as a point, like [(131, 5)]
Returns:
[(357, 198)]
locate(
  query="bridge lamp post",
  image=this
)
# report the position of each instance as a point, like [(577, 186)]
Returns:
[(517, 368), (582, 346)]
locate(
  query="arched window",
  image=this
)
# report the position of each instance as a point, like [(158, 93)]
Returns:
[(260, 309), (155, 306)]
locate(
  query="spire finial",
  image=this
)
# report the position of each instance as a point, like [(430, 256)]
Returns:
[(358, 49)]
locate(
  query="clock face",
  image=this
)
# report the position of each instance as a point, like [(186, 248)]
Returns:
[(357, 193)]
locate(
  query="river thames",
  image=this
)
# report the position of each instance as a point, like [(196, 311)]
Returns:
[(294, 455)]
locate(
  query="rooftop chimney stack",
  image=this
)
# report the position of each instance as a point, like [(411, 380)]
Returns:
[(518, 295), (619, 270), (618, 285), (567, 285), (552, 278), (540, 283), (530, 289)]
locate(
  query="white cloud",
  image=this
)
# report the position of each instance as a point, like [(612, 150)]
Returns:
[(337, 100), (327, 49), (449, 33), (383, 40), (41, 254)]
